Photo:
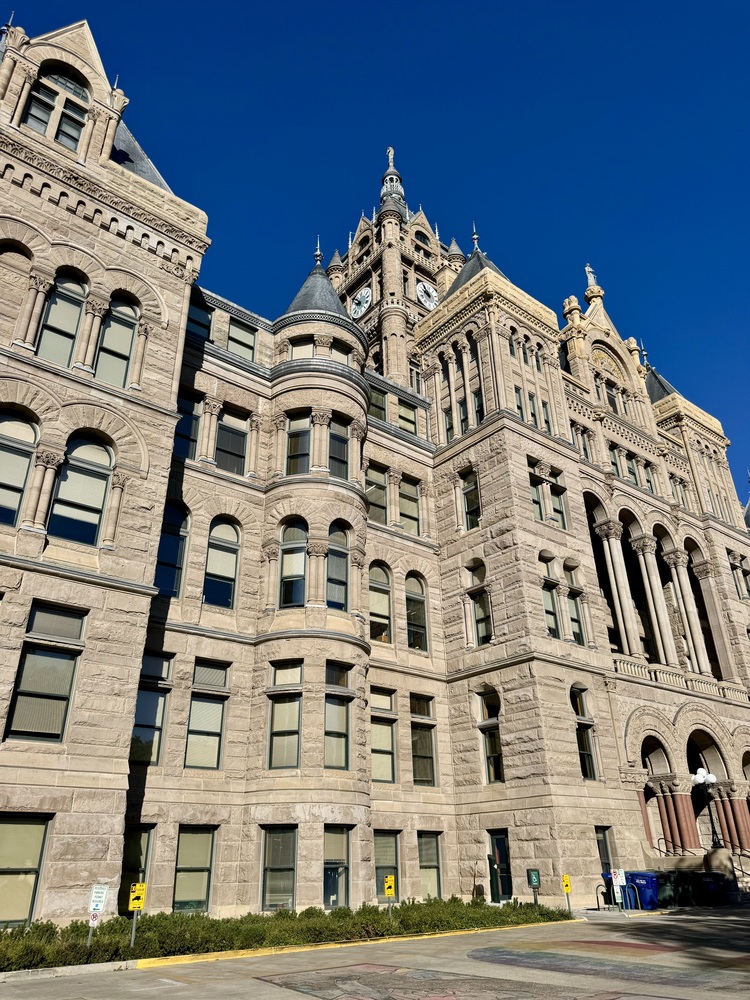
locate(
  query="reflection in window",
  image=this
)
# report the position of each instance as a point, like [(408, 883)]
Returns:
[(17, 441), (77, 509), (221, 564), (380, 603), (293, 552)]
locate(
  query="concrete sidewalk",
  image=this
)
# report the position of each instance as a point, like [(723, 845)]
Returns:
[(681, 956)]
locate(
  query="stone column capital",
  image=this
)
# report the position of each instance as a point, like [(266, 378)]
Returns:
[(279, 421), (119, 480), (40, 283), (609, 529), (144, 329), (321, 417), (704, 569), (394, 477), (254, 421), (357, 430), (317, 549), (212, 406), (676, 558), (643, 544), (322, 340), (271, 551), (96, 307)]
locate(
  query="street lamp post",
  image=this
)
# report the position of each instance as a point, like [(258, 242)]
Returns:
[(704, 779)]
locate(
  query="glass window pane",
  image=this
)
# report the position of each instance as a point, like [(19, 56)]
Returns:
[(191, 891), (16, 896), (382, 767), (385, 849), (278, 890), (335, 751), (21, 842), (206, 714), (287, 673), (46, 620), (38, 716), (210, 674), (286, 713), (428, 848), (202, 750), (194, 848), (430, 883), (381, 699), (285, 750), (382, 735)]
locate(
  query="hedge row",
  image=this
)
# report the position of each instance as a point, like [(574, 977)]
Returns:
[(44, 945)]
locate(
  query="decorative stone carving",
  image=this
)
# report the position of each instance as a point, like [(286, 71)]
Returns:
[(609, 529), (643, 544), (40, 283), (279, 421), (271, 551), (211, 407), (703, 569), (145, 329), (49, 459), (357, 430), (95, 307), (321, 417), (119, 480), (675, 558), (317, 548), (394, 477)]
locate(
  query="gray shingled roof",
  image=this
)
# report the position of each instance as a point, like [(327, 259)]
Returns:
[(128, 152), (454, 249), (477, 262), (318, 295), (657, 386)]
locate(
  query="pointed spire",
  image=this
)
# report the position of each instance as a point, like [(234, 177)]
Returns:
[(454, 250), (392, 191), (317, 293), (318, 255), (475, 236), (336, 261)]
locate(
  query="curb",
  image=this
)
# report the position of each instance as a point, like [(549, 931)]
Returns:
[(218, 956)]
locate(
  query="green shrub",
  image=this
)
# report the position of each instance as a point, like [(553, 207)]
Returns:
[(44, 944)]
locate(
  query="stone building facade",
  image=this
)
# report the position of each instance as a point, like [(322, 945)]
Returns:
[(411, 581)]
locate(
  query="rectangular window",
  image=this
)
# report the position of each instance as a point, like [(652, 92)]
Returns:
[(231, 443), (429, 863), (377, 404), (192, 878), (606, 858), (335, 866), (415, 377), (585, 751), (145, 743), (448, 419), (301, 349), (519, 403), (383, 756), (285, 720), (381, 699), (545, 416), (630, 466), (186, 431), (407, 417), (472, 505), (115, 348), (340, 353), (576, 617), (386, 863), (44, 682), (156, 666), (550, 611), (535, 486), (524, 352), (199, 320), (279, 862), (512, 347), (40, 108), (557, 497), (478, 406), (70, 127), (338, 448), (420, 705), (408, 497), (203, 748), (533, 415), (21, 844), (298, 445), (482, 617), (614, 459), (210, 674), (611, 396), (463, 416), (135, 848), (337, 674), (422, 755), (493, 754), (241, 340), (376, 488), (336, 733), (287, 673)]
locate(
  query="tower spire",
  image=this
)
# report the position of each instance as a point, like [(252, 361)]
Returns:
[(474, 235), (318, 255), (392, 191)]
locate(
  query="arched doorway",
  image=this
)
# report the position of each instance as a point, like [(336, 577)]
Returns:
[(656, 817), (713, 821)]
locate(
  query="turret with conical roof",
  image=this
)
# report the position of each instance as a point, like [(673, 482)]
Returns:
[(392, 192)]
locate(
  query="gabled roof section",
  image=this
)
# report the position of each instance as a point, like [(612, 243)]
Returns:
[(477, 262), (657, 386), (75, 38), (317, 295), (128, 153)]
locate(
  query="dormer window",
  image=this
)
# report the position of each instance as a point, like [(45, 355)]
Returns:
[(57, 108)]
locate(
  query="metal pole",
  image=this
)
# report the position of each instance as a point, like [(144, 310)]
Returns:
[(132, 933), (567, 897), (91, 934), (536, 896)]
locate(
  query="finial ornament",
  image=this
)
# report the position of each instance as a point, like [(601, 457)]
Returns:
[(644, 352), (590, 276), (390, 154), (318, 254), (475, 236)]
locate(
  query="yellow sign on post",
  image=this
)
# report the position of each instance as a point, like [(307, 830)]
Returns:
[(137, 896), (566, 883), (389, 883)]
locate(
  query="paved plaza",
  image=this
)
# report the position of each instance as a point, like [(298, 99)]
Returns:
[(681, 956)]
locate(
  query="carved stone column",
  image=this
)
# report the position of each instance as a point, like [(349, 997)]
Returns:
[(114, 506), (357, 432), (499, 357), (96, 310), (677, 561), (280, 423), (51, 461), (394, 507), (463, 348), (740, 807), (563, 611), (323, 344), (30, 316), (672, 818), (136, 374), (587, 622), (207, 445), (484, 370), (31, 500), (639, 546), (320, 420), (269, 599), (601, 458), (28, 75), (252, 448), (316, 583), (468, 621), (450, 361), (704, 572), (93, 116), (611, 532), (425, 511), (722, 799), (432, 375), (357, 563), (458, 502)]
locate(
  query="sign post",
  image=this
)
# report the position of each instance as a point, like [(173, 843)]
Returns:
[(389, 889), (97, 905), (136, 902), (567, 889), (534, 882), (618, 881)]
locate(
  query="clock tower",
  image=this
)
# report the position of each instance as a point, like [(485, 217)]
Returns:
[(391, 276)]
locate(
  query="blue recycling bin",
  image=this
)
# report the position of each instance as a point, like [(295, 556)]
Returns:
[(647, 884), (609, 898)]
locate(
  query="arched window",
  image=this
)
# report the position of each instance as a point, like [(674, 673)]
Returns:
[(380, 603), (17, 440), (337, 574), (220, 579), (57, 106), (62, 321), (170, 559), (78, 506), (116, 344), (416, 612), (584, 725), (293, 557)]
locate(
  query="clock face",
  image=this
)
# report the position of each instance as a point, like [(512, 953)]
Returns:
[(427, 295), (361, 302)]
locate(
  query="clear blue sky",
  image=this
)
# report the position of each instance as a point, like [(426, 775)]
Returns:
[(571, 130)]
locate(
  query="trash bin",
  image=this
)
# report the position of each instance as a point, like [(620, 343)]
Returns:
[(710, 888), (609, 898), (684, 887), (666, 889), (647, 884)]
